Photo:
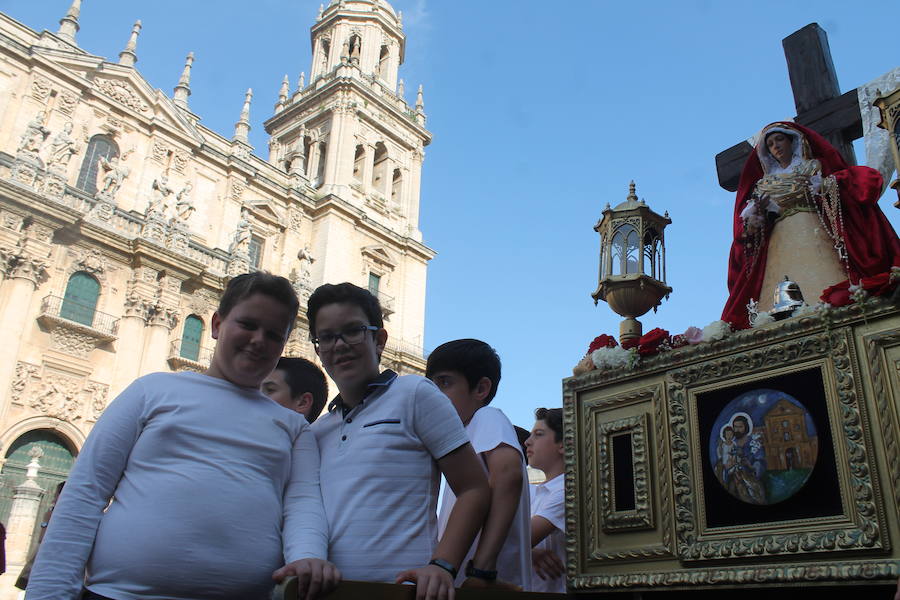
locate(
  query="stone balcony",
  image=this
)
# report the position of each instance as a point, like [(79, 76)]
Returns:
[(184, 360), (60, 312)]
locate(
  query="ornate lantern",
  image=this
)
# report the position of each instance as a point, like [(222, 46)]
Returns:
[(632, 261), (889, 105)]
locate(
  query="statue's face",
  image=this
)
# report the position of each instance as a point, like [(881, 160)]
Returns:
[(780, 147)]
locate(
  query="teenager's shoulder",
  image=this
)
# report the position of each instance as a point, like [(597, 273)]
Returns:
[(492, 415)]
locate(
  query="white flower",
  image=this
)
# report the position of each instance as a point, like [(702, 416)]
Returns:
[(716, 330), (762, 318), (614, 358), (806, 309)]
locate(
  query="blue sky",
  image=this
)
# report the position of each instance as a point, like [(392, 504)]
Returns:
[(542, 112)]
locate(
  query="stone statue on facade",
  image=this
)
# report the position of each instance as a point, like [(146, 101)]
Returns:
[(240, 243), (35, 134), (62, 147), (306, 260), (184, 208), (116, 173), (160, 192)]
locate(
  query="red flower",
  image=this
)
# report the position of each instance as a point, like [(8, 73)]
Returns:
[(602, 341), (650, 342)]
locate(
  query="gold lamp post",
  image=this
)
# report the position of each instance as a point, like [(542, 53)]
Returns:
[(632, 261), (889, 105)]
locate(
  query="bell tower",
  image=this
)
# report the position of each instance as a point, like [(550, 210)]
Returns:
[(348, 132), (351, 143)]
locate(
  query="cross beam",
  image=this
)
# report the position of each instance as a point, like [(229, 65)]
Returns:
[(817, 98)]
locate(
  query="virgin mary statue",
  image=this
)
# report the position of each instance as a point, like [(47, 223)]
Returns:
[(801, 211)]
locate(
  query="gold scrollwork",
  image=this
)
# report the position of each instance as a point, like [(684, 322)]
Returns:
[(884, 394), (641, 516), (862, 527)]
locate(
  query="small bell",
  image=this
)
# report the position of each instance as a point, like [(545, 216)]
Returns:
[(787, 299)]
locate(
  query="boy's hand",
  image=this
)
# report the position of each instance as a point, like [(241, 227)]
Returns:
[(314, 577), (477, 583), (432, 582), (546, 563)]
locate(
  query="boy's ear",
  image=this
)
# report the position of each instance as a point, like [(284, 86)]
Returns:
[(482, 389), (214, 325), (381, 337), (304, 402)]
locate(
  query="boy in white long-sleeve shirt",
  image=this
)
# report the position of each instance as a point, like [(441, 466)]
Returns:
[(212, 485)]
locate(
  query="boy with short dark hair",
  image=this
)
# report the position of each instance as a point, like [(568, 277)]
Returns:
[(195, 486), (548, 513), (299, 385), (468, 372), (384, 443)]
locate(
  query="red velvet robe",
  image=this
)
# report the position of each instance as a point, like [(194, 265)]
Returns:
[(872, 244)]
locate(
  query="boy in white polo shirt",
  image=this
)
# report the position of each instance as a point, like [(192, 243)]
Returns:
[(468, 372), (544, 449), (384, 442)]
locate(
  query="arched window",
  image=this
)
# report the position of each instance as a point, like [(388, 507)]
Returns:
[(359, 158), (382, 68), (100, 146), (378, 167), (190, 338), (54, 467), (80, 300), (625, 253), (320, 171), (396, 187)]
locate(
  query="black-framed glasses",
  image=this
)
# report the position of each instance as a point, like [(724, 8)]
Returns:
[(351, 337)]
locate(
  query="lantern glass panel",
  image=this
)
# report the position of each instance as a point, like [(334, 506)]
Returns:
[(632, 253), (618, 252)]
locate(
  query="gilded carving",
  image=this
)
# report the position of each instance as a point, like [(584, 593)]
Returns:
[(121, 92), (884, 395), (641, 517), (862, 532)]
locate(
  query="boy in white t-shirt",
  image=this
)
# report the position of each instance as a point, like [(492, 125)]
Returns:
[(544, 449), (468, 372)]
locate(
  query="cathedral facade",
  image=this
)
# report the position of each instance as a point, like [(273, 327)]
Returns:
[(122, 218)]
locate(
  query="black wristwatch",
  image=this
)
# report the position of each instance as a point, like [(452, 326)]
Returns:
[(439, 562), (471, 571)]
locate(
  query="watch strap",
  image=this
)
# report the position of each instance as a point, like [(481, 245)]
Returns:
[(472, 571), (440, 562)]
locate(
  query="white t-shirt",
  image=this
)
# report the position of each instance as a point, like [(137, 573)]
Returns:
[(380, 478), (548, 501), (204, 475), (487, 429)]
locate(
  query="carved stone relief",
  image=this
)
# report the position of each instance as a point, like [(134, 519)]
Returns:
[(67, 102), (89, 260), (180, 160), (122, 92), (57, 394), (295, 219), (25, 372), (72, 341), (159, 151), (40, 88)]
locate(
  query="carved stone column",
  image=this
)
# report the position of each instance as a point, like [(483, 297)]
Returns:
[(368, 167), (161, 320), (130, 346), (24, 273), (24, 512)]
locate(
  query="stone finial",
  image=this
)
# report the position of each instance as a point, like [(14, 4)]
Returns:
[(400, 18), (401, 88), (68, 25), (345, 52), (183, 89), (282, 94), (301, 83), (321, 11), (632, 196), (420, 100), (128, 56), (242, 127)]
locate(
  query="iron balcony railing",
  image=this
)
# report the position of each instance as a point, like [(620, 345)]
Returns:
[(81, 314)]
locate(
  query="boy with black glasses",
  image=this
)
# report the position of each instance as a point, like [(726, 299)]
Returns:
[(384, 443)]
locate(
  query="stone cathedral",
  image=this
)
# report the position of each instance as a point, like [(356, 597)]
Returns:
[(122, 218)]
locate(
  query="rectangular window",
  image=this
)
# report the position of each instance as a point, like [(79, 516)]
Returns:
[(374, 283), (255, 251)]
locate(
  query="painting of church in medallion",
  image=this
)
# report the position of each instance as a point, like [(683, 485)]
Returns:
[(763, 446)]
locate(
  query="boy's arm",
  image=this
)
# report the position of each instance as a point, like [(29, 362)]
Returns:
[(305, 526), (504, 465), (58, 572), (540, 528), (466, 478)]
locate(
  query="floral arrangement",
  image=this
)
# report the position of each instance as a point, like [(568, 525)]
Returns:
[(605, 353)]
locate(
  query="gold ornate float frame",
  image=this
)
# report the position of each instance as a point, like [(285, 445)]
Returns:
[(664, 542)]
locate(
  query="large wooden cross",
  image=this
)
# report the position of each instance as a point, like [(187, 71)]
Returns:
[(817, 97)]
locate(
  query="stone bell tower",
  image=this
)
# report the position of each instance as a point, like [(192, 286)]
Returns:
[(348, 139)]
